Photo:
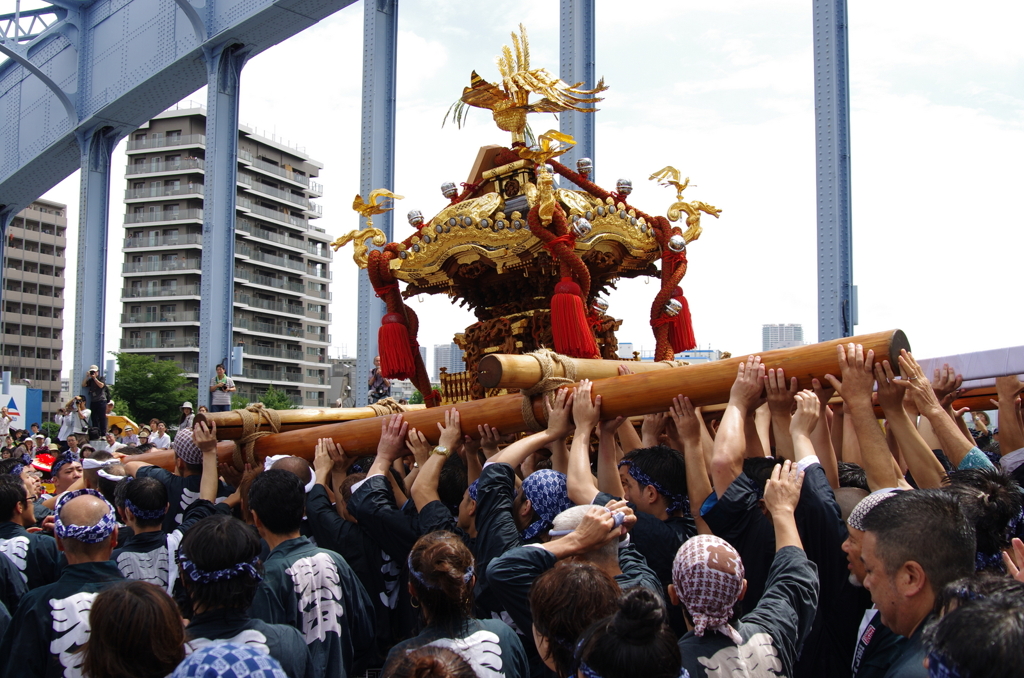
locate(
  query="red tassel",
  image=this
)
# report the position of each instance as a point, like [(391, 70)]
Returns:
[(681, 330), (569, 326), (396, 359)]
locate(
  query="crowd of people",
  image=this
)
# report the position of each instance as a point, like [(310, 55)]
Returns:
[(788, 535)]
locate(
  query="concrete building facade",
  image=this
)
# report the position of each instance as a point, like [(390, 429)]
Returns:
[(33, 299), (449, 356), (781, 336), (282, 259)]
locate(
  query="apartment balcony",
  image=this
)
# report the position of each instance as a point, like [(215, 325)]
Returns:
[(159, 192), (161, 167), (273, 260), (177, 317), (321, 338), (319, 294), (278, 217), (253, 397), (319, 273), (273, 170), (254, 278), (164, 217), (255, 231), (316, 189), (163, 241), (160, 292), (269, 352), (319, 315), (277, 193), (256, 302), (267, 328), (272, 375), (313, 250), (189, 367), (180, 264), (160, 343), (164, 141)]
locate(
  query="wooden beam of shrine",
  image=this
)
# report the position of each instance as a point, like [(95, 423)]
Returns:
[(621, 396), (503, 370), (229, 424)]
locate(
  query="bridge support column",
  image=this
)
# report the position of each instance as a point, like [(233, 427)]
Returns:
[(224, 70), (577, 65), (96, 145), (377, 167)]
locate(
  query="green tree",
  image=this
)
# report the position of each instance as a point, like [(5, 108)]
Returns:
[(151, 388), (276, 400), (238, 402), (416, 398)]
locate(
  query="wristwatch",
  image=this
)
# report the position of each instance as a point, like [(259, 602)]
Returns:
[(443, 451)]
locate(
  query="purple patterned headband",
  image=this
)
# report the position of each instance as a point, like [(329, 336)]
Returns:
[(17, 469), (68, 457), (675, 501), (144, 514), (88, 534), (208, 577)]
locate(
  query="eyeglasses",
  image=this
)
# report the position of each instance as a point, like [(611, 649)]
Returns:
[(36, 474)]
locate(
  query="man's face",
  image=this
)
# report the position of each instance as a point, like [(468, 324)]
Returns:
[(67, 475), (111, 439), (630, 488), (161, 428), (882, 587), (72, 443), (33, 484), (220, 371), (35, 429), (376, 361), (852, 548), (466, 508)]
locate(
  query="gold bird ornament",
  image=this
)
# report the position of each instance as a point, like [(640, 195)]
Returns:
[(368, 208), (509, 101)]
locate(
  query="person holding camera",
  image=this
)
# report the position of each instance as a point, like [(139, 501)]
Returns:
[(221, 388), (97, 390), (81, 417)]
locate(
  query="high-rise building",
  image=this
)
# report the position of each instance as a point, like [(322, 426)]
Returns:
[(448, 356), (282, 275), (33, 299), (781, 336)]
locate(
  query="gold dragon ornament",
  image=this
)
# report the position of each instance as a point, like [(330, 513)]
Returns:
[(360, 252), (510, 102), (669, 176)]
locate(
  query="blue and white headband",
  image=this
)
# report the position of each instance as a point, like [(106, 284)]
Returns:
[(208, 577), (17, 469), (418, 576), (548, 494), (940, 667), (145, 514), (88, 534), (67, 457), (675, 501), (229, 660)]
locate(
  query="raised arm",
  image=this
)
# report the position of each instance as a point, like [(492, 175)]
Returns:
[(856, 388), (609, 454), (205, 438), (698, 486), (586, 415), (1011, 434), (953, 443), (652, 428), (730, 443), (425, 489), (559, 425), (629, 439), (922, 463), (780, 405), (802, 423), (781, 495), (393, 431), (821, 437)]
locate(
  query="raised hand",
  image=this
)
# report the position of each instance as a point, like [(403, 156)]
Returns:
[(748, 390), (489, 439), (946, 384), (393, 430), (780, 396), (560, 413), (685, 417), (890, 391), (451, 432), (652, 428), (417, 443), (917, 384), (782, 491), (322, 462), (205, 436), (806, 416), (586, 413), (856, 370)]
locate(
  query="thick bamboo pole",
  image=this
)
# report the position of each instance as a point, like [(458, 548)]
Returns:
[(165, 458), (621, 396), (523, 371), (229, 424)]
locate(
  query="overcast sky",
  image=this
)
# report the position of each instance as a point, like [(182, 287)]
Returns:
[(722, 90)]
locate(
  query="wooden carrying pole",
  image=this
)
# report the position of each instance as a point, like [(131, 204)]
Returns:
[(229, 424), (502, 370), (621, 396)]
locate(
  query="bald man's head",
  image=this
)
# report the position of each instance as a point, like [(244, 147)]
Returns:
[(296, 465), (86, 530)]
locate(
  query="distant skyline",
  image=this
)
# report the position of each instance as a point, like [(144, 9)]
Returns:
[(724, 91)]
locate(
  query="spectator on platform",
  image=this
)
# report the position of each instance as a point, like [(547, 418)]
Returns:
[(221, 388), (379, 386), (98, 397)]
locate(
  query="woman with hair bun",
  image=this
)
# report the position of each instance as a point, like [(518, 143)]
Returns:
[(432, 662), (564, 602), (635, 641), (441, 580)]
